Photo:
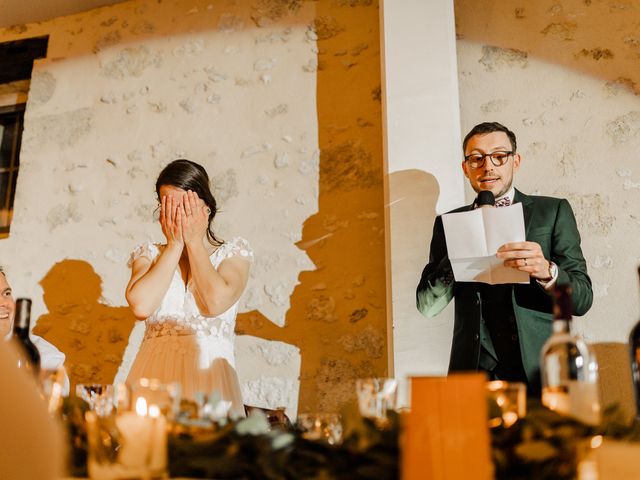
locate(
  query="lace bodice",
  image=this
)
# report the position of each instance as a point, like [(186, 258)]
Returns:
[(178, 313)]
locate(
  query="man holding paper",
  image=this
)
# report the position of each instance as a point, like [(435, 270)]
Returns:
[(503, 307)]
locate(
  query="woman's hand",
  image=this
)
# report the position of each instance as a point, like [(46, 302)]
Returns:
[(171, 221), (195, 220)]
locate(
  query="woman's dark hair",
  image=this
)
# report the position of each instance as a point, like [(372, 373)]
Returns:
[(188, 175), (490, 127)]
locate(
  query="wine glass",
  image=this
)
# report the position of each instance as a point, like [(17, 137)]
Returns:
[(53, 384), (375, 397), (100, 397)]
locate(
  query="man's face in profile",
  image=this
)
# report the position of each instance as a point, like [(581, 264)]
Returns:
[(7, 307), (497, 179)]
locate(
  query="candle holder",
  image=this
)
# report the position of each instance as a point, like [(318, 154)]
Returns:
[(166, 396), (128, 443), (507, 402), (324, 427)]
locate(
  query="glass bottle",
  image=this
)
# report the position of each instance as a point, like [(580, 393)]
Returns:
[(28, 355), (634, 346), (568, 367)]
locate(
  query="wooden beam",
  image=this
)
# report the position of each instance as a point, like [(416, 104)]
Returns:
[(16, 57)]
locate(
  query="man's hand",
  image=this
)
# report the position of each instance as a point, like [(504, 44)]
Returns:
[(171, 221), (195, 220), (526, 257)]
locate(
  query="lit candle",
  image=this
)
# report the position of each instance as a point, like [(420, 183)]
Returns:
[(144, 437), (135, 428), (158, 440)]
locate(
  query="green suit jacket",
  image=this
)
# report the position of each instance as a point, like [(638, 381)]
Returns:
[(549, 222)]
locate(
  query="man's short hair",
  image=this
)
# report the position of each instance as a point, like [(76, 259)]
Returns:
[(489, 127)]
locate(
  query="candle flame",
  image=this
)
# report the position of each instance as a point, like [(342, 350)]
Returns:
[(596, 441), (509, 418), (154, 411), (141, 406)]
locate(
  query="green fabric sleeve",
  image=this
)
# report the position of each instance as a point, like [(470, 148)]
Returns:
[(436, 286)]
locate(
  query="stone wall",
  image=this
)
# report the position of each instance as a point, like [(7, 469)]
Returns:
[(563, 74), (280, 101)]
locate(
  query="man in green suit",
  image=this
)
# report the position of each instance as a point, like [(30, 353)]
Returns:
[(500, 329)]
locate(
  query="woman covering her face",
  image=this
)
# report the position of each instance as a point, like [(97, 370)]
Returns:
[(187, 290)]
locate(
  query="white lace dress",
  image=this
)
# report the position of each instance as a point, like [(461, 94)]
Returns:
[(181, 345)]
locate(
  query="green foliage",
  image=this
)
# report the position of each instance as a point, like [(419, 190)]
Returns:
[(543, 445), (240, 451), (546, 445)]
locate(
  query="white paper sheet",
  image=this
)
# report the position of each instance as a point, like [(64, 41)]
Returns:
[(473, 239)]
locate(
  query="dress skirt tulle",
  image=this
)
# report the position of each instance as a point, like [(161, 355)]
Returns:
[(199, 364)]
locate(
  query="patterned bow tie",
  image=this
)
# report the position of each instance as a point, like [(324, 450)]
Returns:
[(503, 202)]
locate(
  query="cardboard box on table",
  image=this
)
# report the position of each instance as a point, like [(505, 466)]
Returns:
[(446, 432)]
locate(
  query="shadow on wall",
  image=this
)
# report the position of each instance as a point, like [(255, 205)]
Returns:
[(413, 195), (574, 33), (338, 311), (92, 335)]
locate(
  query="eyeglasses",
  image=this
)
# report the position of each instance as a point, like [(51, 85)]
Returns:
[(499, 158)]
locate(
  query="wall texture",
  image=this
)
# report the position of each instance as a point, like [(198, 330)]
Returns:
[(338, 312), (563, 74), (280, 100), (422, 134)]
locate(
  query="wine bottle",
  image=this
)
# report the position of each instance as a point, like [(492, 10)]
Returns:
[(29, 357), (568, 367), (634, 346)]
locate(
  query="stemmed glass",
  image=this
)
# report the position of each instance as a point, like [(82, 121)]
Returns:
[(376, 396), (53, 384), (103, 398)]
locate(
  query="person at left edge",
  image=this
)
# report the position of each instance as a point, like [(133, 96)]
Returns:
[(50, 357)]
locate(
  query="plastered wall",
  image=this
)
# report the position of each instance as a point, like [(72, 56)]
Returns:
[(422, 134), (564, 76), (338, 312), (280, 101)]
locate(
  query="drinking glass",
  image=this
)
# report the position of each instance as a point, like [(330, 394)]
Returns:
[(100, 397), (375, 397), (507, 402), (325, 427), (53, 383)]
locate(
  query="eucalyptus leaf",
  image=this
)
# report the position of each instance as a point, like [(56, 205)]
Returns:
[(254, 424)]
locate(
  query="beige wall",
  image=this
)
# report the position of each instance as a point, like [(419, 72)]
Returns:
[(280, 101), (338, 312), (564, 76), (422, 137)]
